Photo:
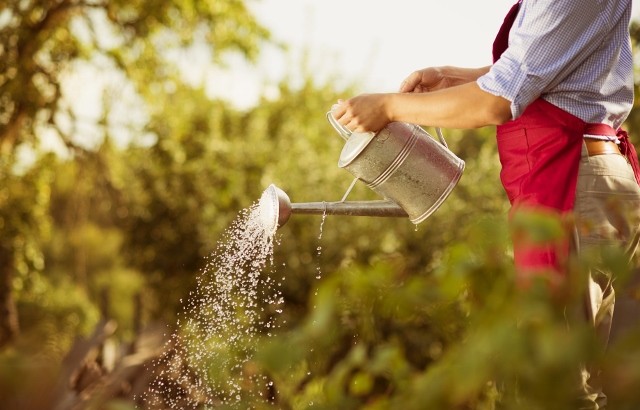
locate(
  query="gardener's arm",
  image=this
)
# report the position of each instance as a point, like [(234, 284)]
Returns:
[(460, 106)]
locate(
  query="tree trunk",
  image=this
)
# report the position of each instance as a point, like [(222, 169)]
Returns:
[(8, 312)]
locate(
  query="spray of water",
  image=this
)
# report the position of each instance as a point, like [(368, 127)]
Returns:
[(208, 359)]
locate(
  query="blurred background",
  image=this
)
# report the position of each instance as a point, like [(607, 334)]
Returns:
[(133, 133)]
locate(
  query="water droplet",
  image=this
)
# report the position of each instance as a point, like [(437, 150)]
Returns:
[(222, 314)]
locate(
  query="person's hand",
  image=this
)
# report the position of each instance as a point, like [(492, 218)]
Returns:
[(438, 78), (363, 113), (425, 80)]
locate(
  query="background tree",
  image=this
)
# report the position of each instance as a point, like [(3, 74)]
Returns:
[(42, 41)]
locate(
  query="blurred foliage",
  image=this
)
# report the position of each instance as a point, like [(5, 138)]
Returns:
[(42, 40), (460, 337), (378, 313), (63, 218)]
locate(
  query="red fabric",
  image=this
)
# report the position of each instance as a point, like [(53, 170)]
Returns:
[(629, 151), (540, 154), (501, 41)]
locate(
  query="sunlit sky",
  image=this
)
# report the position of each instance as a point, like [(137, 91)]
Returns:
[(374, 45), (377, 44)]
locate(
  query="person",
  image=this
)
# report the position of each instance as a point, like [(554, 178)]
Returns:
[(559, 89)]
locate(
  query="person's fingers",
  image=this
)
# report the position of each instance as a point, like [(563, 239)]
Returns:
[(342, 117), (410, 83), (425, 80), (338, 110)]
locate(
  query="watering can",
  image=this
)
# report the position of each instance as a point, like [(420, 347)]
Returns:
[(405, 165)]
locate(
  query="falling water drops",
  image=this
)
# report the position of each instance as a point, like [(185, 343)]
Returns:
[(234, 301), (319, 248)]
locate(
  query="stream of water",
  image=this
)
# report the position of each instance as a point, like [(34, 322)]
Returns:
[(207, 361)]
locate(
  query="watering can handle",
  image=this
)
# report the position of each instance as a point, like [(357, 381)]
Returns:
[(441, 137), (342, 130), (345, 133)]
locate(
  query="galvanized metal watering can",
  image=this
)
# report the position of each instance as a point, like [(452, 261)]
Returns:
[(412, 171)]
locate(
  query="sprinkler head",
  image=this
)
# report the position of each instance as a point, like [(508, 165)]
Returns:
[(274, 207)]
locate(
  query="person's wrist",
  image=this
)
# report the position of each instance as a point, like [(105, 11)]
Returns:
[(389, 106)]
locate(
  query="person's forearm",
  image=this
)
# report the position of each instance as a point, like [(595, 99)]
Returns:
[(463, 106)]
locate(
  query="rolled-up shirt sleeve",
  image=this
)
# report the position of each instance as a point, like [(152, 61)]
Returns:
[(548, 41)]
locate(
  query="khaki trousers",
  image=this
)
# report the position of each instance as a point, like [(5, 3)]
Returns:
[(607, 211)]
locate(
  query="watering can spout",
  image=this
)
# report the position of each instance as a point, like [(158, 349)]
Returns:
[(276, 208)]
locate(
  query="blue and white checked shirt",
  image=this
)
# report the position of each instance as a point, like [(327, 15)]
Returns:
[(576, 54)]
